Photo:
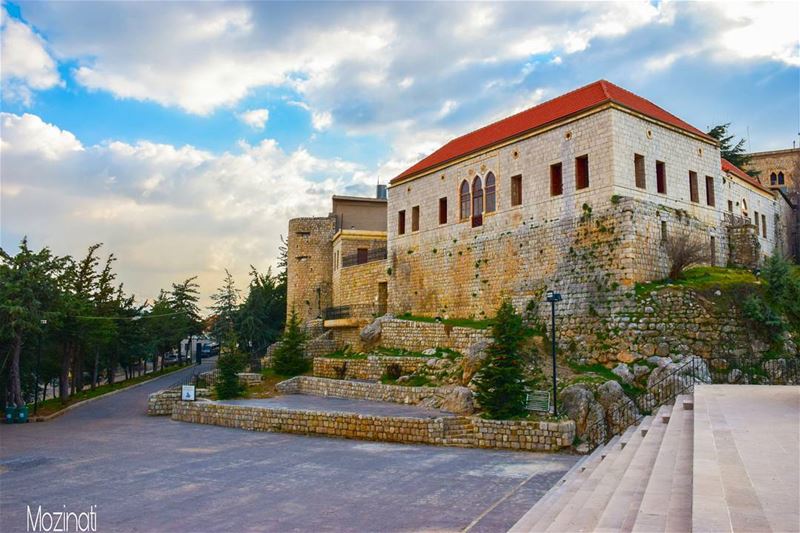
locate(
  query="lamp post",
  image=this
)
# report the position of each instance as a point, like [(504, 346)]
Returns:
[(43, 323), (554, 297)]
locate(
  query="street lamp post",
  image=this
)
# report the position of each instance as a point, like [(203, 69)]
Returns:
[(43, 323), (554, 297)]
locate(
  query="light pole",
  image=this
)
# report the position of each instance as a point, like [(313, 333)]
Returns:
[(554, 297), (43, 323)]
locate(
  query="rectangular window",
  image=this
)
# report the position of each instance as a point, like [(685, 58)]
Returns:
[(730, 206), (694, 194), (661, 177), (516, 190), (581, 172), (556, 180), (758, 228), (710, 191), (415, 218), (764, 225), (443, 210), (361, 256), (663, 231), (638, 170), (401, 222)]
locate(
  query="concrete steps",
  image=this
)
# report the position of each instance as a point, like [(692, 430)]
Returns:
[(724, 459)]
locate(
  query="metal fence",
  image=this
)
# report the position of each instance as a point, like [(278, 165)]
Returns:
[(682, 379), (373, 254)]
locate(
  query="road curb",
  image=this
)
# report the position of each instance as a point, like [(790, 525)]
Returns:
[(90, 400)]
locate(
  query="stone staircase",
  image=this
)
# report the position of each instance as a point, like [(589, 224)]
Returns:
[(460, 432), (639, 481), (725, 459)]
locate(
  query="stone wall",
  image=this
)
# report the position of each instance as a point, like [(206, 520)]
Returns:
[(357, 390), (744, 248), (418, 336), (358, 285), (371, 368), (666, 322), (247, 379), (309, 266), (460, 431), (161, 403)]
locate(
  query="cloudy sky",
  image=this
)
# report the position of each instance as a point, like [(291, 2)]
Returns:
[(185, 135)]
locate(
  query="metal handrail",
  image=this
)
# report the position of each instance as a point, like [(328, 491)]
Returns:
[(373, 254)]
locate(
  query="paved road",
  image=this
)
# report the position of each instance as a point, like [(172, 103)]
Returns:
[(153, 474)]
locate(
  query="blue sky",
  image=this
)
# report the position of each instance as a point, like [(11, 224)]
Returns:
[(184, 135)]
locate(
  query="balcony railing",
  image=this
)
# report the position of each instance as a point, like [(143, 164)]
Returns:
[(373, 254)]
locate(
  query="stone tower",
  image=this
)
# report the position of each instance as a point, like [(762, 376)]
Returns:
[(310, 259)]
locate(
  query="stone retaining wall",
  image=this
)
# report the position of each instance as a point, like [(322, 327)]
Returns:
[(162, 403), (371, 368), (357, 390), (245, 378), (418, 336), (469, 432)]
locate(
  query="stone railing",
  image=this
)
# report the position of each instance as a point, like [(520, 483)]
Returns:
[(371, 368), (418, 336), (161, 403), (460, 431)]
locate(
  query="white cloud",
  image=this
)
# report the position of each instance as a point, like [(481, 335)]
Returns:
[(166, 211), (255, 118), (766, 30), (26, 64), (28, 134), (321, 120)]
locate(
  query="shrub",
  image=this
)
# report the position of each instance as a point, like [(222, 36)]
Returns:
[(501, 385), (684, 251), (227, 384), (289, 357)]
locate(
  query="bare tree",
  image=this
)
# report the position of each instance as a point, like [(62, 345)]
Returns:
[(683, 251)]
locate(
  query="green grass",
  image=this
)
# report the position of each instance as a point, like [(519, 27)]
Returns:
[(54, 405), (456, 322), (597, 374), (703, 278)]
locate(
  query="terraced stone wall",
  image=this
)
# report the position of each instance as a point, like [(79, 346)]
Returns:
[(357, 390), (418, 336), (371, 368), (161, 403)]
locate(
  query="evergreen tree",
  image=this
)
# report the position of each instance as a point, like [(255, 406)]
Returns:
[(289, 357), (500, 381), (226, 308), (735, 153), (227, 384)]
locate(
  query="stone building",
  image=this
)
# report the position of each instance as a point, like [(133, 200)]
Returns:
[(780, 170), (581, 194)]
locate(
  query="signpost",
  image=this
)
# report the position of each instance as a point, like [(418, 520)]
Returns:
[(187, 393)]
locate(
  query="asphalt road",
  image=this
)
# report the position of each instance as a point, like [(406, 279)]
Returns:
[(152, 474)]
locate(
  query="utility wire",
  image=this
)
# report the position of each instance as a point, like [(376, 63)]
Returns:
[(137, 317)]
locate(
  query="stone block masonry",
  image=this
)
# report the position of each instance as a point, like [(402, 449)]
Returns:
[(162, 403), (371, 368), (358, 390), (418, 336), (461, 431)]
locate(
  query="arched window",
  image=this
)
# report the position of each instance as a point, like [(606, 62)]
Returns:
[(773, 179), (490, 196), (465, 200), (477, 202), (780, 178)]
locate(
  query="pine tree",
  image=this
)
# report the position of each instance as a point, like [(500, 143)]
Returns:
[(735, 153), (500, 381), (289, 358), (227, 384)]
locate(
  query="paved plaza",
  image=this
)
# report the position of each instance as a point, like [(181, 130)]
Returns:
[(153, 474)]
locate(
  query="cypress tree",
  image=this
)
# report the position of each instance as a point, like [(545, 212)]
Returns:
[(500, 381), (289, 358)]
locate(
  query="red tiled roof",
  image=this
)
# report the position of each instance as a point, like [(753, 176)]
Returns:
[(592, 95), (727, 166)]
